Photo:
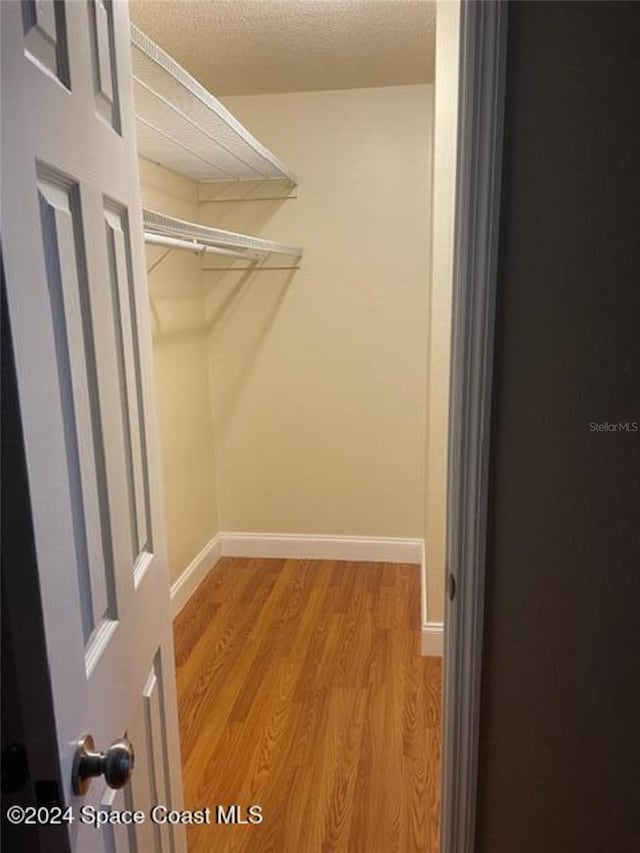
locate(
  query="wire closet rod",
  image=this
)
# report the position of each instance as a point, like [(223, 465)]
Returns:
[(193, 246)]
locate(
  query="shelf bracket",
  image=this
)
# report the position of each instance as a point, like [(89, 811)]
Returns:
[(159, 260)]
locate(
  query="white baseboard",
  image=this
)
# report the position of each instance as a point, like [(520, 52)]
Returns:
[(432, 634), (432, 639), (194, 574), (424, 609), (377, 549)]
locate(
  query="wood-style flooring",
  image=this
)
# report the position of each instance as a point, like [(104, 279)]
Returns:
[(301, 689)]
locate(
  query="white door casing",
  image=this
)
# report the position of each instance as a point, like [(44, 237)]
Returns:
[(76, 287), (483, 51)]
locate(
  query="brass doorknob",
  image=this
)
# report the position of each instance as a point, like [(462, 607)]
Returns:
[(116, 764)]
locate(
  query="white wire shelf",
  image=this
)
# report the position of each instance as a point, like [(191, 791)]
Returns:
[(172, 233), (181, 125)]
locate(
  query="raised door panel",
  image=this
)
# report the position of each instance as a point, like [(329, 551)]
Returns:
[(104, 62), (71, 318), (120, 276), (45, 37), (150, 786)]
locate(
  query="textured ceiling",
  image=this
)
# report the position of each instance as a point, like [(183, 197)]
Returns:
[(255, 46)]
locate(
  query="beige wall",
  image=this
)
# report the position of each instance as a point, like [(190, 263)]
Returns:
[(181, 376), (444, 177), (319, 376)]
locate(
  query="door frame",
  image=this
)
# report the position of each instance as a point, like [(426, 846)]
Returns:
[(483, 50)]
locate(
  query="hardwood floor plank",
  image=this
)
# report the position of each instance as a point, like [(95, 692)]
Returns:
[(301, 689), (215, 663), (340, 806)]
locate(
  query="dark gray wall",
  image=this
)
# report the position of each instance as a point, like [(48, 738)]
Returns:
[(560, 719), (27, 704)]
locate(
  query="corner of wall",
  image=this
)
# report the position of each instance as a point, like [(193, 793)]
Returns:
[(181, 377)]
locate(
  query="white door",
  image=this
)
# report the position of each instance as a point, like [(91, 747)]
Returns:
[(76, 285)]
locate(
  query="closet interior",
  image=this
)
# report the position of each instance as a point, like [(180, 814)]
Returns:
[(300, 346), (181, 126)]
